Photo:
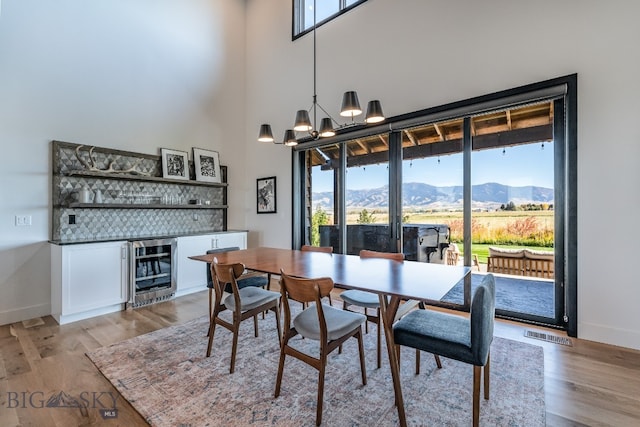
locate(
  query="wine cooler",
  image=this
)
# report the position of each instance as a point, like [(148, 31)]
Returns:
[(152, 271)]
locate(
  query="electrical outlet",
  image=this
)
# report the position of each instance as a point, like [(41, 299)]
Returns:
[(23, 220), (72, 219), (195, 216)]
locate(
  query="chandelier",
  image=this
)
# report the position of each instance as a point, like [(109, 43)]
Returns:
[(328, 125)]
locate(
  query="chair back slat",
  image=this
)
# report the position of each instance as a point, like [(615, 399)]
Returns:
[(306, 290), (224, 274), (325, 249), (388, 255)]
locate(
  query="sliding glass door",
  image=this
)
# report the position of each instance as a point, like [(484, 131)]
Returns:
[(367, 195), (469, 189), (432, 183)]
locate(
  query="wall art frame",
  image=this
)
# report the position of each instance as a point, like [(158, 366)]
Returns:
[(266, 201), (207, 165), (175, 164)]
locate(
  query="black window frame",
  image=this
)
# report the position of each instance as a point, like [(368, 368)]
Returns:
[(297, 19)]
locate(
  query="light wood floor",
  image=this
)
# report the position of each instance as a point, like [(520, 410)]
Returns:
[(586, 384)]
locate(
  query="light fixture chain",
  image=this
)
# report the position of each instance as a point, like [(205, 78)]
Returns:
[(315, 96), (327, 128)]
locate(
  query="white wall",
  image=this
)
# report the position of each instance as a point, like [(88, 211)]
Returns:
[(144, 74), (416, 54), (134, 75)]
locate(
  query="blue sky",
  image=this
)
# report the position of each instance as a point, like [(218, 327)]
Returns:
[(519, 166)]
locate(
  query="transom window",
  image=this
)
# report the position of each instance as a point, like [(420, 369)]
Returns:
[(326, 10)]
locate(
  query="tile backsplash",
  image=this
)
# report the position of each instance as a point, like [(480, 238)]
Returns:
[(112, 219)]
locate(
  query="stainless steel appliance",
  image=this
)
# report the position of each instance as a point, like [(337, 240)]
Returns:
[(152, 271)]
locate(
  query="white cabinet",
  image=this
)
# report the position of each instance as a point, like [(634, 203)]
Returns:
[(192, 275), (229, 239), (88, 280)]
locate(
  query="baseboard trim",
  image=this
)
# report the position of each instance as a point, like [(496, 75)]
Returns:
[(192, 290), (68, 318), (24, 313), (607, 335)]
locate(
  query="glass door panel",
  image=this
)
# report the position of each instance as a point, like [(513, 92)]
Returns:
[(432, 198), (367, 195), (322, 218), (512, 174)]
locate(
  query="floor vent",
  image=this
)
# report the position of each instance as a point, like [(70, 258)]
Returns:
[(548, 337)]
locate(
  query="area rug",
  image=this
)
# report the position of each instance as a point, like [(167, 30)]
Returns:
[(513, 294), (167, 379)]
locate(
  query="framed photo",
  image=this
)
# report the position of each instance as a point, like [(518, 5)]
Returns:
[(207, 165), (266, 195), (175, 164)]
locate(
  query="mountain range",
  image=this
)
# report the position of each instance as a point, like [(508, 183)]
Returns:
[(419, 195)]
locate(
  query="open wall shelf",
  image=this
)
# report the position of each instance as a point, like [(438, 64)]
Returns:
[(140, 206), (142, 178)]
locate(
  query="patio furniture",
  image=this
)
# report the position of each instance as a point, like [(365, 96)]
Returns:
[(521, 262)]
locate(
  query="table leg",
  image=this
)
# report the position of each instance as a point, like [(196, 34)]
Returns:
[(388, 312)]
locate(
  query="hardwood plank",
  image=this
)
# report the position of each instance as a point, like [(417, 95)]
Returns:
[(8, 416), (587, 384)]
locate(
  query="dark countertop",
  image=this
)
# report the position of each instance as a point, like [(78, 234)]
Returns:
[(138, 238)]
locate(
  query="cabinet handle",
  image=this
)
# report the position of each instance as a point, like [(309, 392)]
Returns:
[(123, 252)]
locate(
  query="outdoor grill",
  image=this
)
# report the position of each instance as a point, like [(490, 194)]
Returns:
[(421, 242), (432, 241)]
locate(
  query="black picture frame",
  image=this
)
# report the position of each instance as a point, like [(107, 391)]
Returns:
[(266, 201)]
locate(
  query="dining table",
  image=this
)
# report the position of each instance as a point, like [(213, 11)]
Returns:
[(394, 282)]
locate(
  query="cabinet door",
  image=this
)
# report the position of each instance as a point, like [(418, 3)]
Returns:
[(192, 273), (228, 240), (93, 276)]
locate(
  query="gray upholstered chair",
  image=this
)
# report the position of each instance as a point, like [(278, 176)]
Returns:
[(244, 303), (330, 326), (466, 339)]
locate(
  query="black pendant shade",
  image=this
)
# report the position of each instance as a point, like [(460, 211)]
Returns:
[(290, 138), (265, 134), (326, 128), (303, 124), (350, 105), (374, 112)]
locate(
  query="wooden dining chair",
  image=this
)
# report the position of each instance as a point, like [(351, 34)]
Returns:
[(245, 303), (369, 300), (309, 248), (248, 278), (330, 326), (467, 339), (321, 249)]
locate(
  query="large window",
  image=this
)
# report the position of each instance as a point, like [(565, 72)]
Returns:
[(326, 10), (494, 173)]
